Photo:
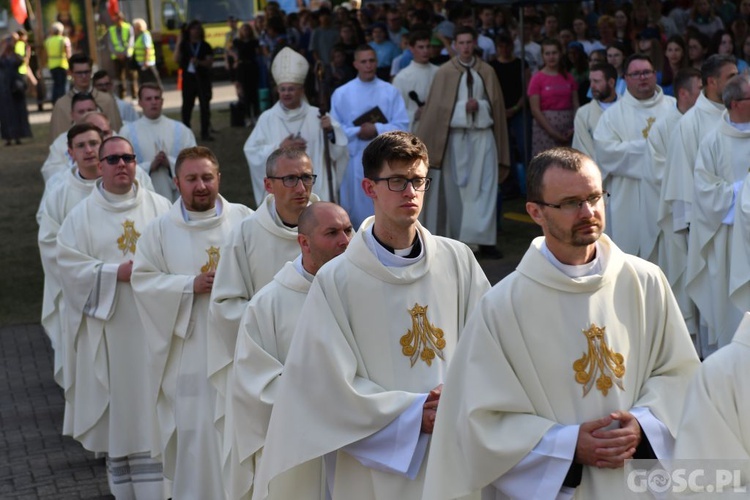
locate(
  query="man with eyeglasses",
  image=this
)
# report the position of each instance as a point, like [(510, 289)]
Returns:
[(103, 83), (64, 191), (365, 368), (113, 408), (620, 142), (717, 267), (158, 140), (80, 71), (257, 249), (674, 214), (265, 333), (574, 363), (293, 123), (173, 274)]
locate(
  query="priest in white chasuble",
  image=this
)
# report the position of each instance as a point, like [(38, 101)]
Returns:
[(622, 152), (157, 140), (714, 426), (720, 170), (256, 250), (173, 274), (687, 88), (572, 364), (293, 123), (382, 321), (263, 342), (113, 412)]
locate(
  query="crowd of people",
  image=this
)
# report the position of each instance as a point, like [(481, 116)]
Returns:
[(341, 340)]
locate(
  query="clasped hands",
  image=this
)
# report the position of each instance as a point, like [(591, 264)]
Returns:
[(608, 448)]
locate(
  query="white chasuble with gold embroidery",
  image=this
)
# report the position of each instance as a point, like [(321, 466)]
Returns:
[(543, 350), (112, 410), (263, 341), (622, 156), (171, 253), (354, 367)]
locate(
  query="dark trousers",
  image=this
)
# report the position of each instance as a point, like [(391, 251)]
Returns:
[(59, 79), (196, 86), (247, 76), (125, 74), (149, 75)]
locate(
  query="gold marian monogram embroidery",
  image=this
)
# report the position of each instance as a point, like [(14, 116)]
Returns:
[(646, 130), (601, 361), (129, 237), (424, 340), (213, 260)]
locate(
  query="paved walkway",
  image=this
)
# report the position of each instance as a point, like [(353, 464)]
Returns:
[(36, 462)]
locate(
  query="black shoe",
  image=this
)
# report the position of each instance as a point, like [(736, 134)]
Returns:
[(207, 138), (18, 141), (489, 252)]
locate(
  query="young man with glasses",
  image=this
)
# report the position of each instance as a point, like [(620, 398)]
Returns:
[(574, 363), (622, 153), (80, 70), (365, 369), (113, 411), (257, 249), (103, 83)]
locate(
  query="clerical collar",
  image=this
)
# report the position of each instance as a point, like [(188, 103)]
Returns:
[(82, 178), (118, 198), (596, 266), (468, 64), (742, 127), (390, 257), (189, 215), (606, 105), (409, 252), (277, 218), (301, 269), (153, 120)]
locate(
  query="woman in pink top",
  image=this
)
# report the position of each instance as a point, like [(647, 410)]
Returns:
[(553, 99)]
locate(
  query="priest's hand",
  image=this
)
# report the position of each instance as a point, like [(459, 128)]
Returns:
[(472, 106), (429, 409), (294, 142), (367, 131), (124, 271), (599, 447), (159, 161), (204, 282), (325, 123)]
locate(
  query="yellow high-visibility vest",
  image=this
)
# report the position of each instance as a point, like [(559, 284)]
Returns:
[(119, 43), (55, 47), (140, 50), (20, 49)]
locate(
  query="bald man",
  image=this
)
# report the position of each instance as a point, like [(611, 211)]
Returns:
[(265, 333)]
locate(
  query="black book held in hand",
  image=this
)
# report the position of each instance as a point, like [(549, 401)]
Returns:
[(373, 115)]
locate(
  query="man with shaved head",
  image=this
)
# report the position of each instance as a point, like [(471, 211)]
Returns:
[(265, 333)]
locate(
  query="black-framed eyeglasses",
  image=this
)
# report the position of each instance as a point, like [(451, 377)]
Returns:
[(291, 181), (398, 183), (641, 74), (82, 73), (573, 206), (115, 159)]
